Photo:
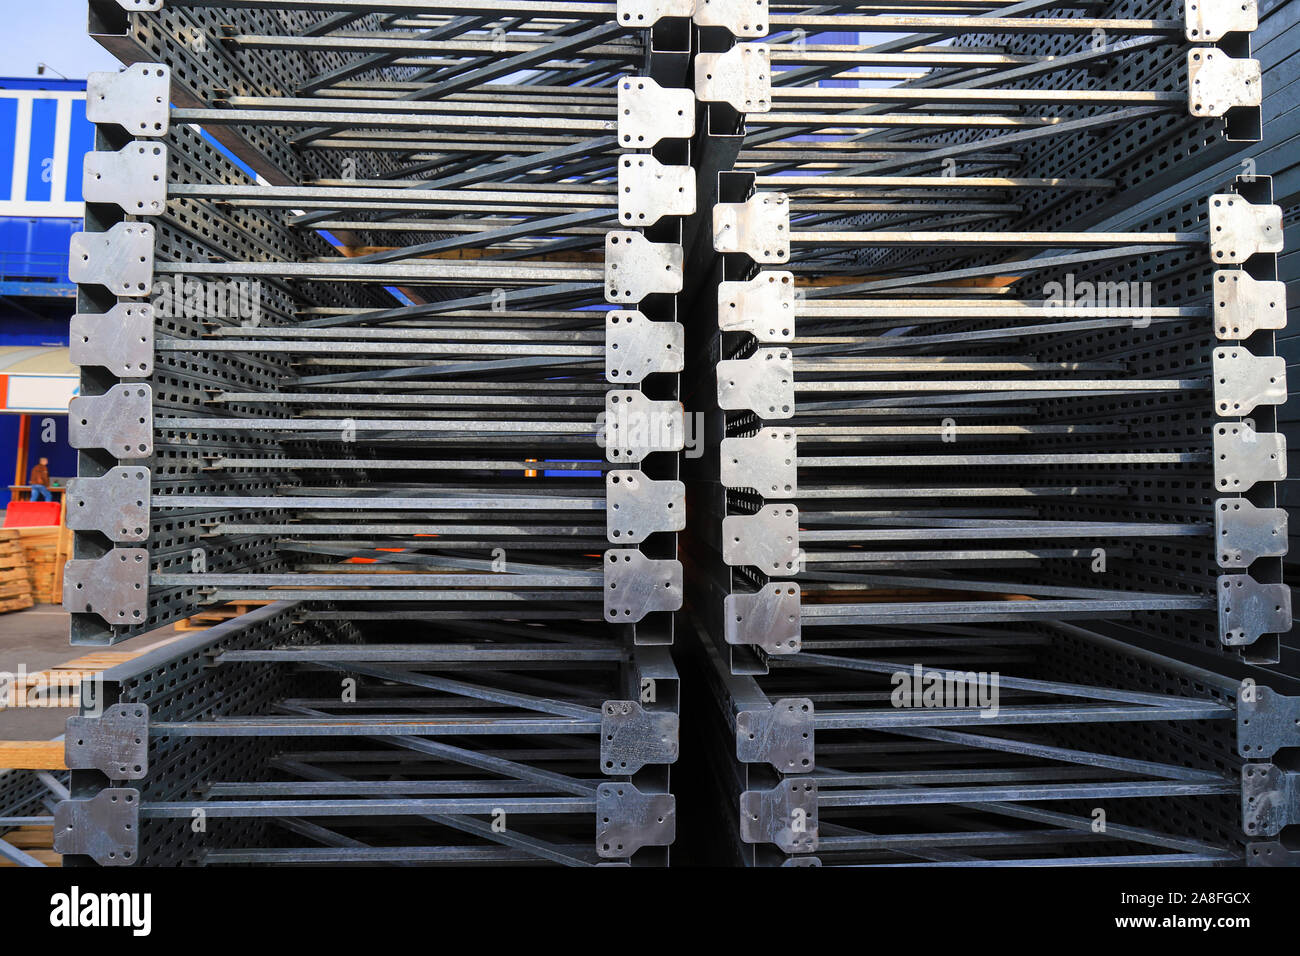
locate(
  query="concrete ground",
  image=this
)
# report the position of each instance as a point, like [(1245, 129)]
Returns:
[(37, 638)]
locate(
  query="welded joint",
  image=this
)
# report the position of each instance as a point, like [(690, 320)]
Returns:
[(136, 99), (1244, 457), (648, 190), (636, 347), (768, 539), (116, 742), (768, 462), (1243, 380), (134, 178), (1209, 21), (646, 13), (120, 421), (780, 735), (767, 618), (1266, 722), (629, 819), (1249, 609), (105, 827), (743, 18), (636, 585), (635, 426), (114, 586), (120, 340), (762, 383), (637, 507), (1270, 798), (758, 227), (1239, 229), (648, 113), (740, 77), (1243, 305), (115, 504), (1244, 533), (786, 815), (635, 267), (120, 259), (632, 737), (763, 306)]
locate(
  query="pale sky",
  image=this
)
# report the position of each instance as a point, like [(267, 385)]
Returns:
[(53, 31)]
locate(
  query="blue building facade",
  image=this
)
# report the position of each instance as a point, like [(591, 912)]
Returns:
[(44, 136)]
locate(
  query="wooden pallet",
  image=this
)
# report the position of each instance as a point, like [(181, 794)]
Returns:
[(36, 841), (68, 677), (215, 615), (46, 549), (15, 579), (32, 755)]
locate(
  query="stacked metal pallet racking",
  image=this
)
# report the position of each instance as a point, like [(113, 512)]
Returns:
[(943, 332), (987, 561), (346, 334)]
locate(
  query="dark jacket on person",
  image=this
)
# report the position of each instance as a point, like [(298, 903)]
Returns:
[(40, 475)]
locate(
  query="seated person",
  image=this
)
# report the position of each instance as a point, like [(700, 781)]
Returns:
[(40, 481)]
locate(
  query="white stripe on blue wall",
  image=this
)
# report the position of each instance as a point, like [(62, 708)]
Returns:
[(43, 139)]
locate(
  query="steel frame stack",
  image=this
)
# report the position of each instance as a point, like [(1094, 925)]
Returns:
[(376, 322), (987, 421), (942, 332)]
